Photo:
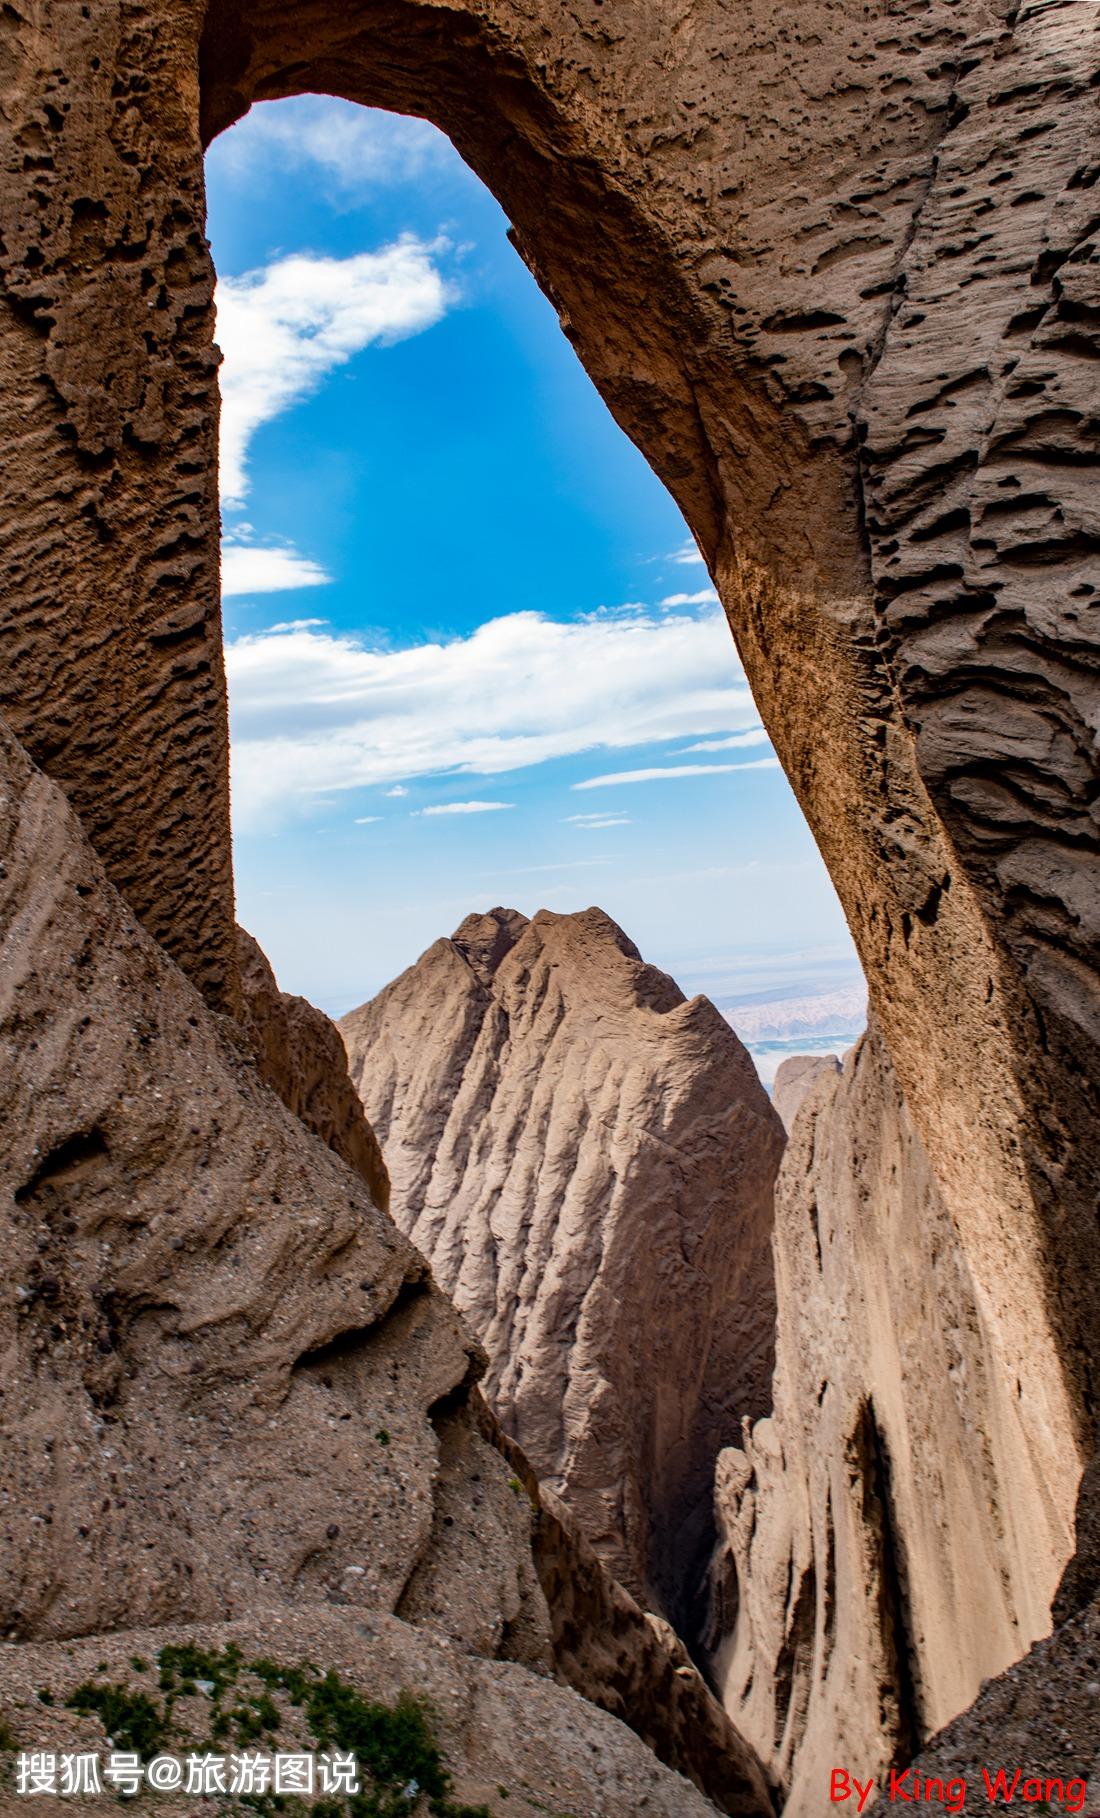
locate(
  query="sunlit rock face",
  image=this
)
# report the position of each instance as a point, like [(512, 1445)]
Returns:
[(586, 1158), (886, 1545), (795, 1078)]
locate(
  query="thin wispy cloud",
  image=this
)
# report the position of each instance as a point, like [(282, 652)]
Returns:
[(318, 711), (563, 865), (398, 789), (735, 742), (595, 823), (664, 773), (465, 808), (247, 568), (366, 820), (687, 554), (284, 328)]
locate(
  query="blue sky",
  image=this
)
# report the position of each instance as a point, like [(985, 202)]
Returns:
[(473, 655)]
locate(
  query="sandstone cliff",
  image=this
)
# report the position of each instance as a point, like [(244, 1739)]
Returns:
[(232, 1393), (299, 1053), (887, 1541), (586, 1159)]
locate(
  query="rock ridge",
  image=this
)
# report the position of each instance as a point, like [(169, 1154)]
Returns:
[(301, 1056), (582, 1153)]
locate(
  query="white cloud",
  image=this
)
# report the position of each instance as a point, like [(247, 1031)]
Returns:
[(465, 808), (735, 743), (687, 554), (307, 624), (358, 148), (664, 773), (366, 820), (247, 568), (398, 789), (284, 327), (706, 596), (563, 865), (619, 820), (315, 711)]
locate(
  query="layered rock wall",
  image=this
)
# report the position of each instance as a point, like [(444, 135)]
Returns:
[(889, 1540), (586, 1159)]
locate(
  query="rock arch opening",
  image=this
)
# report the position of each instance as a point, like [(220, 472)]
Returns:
[(689, 305), (601, 1156)]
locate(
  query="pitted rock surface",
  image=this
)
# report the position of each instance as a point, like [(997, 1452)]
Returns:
[(586, 1158)]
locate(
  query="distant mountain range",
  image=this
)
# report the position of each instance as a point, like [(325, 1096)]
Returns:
[(840, 1012)]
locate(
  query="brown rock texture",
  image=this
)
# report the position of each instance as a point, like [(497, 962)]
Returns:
[(586, 1159), (888, 1542), (794, 1079), (834, 267), (231, 1389), (835, 271), (1042, 1716), (301, 1056)]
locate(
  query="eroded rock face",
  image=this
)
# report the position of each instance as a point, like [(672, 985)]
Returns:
[(586, 1159), (835, 269), (1042, 1718), (794, 1079), (301, 1056), (231, 1389), (497, 1724), (761, 262), (888, 1542)]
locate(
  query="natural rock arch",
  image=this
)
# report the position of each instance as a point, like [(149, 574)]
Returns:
[(757, 224), (742, 244)]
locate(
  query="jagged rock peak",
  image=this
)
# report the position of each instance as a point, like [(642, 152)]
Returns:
[(484, 940), (586, 1158)]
